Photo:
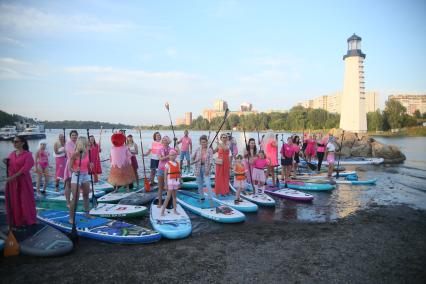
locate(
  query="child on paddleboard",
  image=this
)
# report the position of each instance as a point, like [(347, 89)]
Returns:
[(259, 166), (240, 177), (172, 180), (42, 165)]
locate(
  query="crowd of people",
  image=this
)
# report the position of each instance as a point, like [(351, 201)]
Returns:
[(77, 163)]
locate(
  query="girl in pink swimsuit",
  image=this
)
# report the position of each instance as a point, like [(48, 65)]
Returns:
[(42, 164)]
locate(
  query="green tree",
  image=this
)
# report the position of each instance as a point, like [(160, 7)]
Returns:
[(375, 121), (417, 114), (395, 114)]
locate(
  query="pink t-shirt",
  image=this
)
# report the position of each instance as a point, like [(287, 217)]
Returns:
[(296, 148), (260, 163), (287, 150), (323, 141), (186, 141)]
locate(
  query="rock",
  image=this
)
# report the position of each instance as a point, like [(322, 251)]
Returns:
[(363, 150), (390, 153)]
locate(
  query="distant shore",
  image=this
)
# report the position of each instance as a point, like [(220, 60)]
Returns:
[(419, 131)]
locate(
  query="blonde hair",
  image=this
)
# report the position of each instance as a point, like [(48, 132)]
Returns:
[(81, 144)]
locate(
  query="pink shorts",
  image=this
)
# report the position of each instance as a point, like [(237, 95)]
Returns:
[(259, 175), (330, 158), (173, 184), (239, 183)]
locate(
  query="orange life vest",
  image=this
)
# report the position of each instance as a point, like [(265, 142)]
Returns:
[(174, 171), (240, 173)]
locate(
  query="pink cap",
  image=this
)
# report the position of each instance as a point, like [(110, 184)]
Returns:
[(172, 152)]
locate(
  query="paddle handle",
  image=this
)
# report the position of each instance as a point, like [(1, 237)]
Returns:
[(223, 122)]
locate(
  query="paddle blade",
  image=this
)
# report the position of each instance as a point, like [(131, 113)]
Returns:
[(312, 166), (11, 245), (73, 236), (147, 185), (166, 105)]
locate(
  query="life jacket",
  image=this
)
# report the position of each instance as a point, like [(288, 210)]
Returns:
[(174, 171), (240, 172)]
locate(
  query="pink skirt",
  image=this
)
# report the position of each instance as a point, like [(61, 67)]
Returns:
[(330, 158), (121, 176), (259, 175), (60, 166)]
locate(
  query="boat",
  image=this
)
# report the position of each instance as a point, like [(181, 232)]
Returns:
[(7, 133), (32, 132)]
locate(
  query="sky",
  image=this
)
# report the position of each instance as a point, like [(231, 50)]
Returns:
[(120, 61)]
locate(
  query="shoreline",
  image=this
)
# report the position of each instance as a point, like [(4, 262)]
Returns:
[(382, 244)]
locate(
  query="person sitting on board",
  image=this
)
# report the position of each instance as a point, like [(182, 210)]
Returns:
[(186, 150), (154, 151), (95, 149), (239, 178), (83, 172), (42, 166), (121, 172), (172, 180), (202, 160), (287, 158), (60, 159), (259, 167)]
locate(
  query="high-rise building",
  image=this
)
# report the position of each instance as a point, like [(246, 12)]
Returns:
[(333, 102), (188, 118), (246, 107), (220, 105), (353, 116), (371, 101), (180, 121), (411, 102)]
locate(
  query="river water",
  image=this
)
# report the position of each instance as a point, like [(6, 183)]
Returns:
[(397, 184)]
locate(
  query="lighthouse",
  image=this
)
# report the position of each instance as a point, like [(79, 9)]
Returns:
[(353, 116)]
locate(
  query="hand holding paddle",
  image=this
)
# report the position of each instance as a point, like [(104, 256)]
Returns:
[(146, 182), (11, 245), (94, 200), (73, 235)]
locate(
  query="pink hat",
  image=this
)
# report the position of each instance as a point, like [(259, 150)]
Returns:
[(172, 152)]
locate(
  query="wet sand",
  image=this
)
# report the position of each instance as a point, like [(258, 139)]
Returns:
[(382, 244)]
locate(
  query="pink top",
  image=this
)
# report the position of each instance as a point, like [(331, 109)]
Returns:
[(120, 156), (43, 159), (296, 148), (155, 150), (84, 168), (271, 152), (164, 152), (287, 151), (69, 148), (323, 141), (186, 141), (260, 163)]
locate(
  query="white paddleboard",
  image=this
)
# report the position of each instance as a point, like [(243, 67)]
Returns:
[(118, 210)]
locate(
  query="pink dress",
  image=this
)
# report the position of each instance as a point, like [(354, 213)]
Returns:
[(43, 159), (271, 152), (60, 161), (222, 173), (310, 148), (95, 159), (69, 149), (121, 172), (19, 191)]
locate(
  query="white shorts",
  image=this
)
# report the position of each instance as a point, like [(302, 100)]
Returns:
[(239, 183), (84, 177), (173, 184), (259, 175)]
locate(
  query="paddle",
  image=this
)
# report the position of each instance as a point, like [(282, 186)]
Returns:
[(65, 139), (73, 236), (258, 138), (220, 128), (100, 138), (171, 123), (340, 154), (248, 162), (276, 176), (11, 245), (146, 182), (94, 199)]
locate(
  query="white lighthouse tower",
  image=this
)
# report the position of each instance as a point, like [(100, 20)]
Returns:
[(353, 116)]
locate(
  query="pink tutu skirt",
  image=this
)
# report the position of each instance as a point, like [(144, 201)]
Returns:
[(330, 158), (60, 166), (259, 175)]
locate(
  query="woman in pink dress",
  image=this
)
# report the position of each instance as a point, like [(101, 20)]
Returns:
[(222, 166), (250, 155), (95, 149), (20, 203), (270, 146), (121, 173), (310, 147), (60, 159), (69, 150)]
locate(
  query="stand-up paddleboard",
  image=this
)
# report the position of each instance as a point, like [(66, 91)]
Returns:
[(102, 229), (289, 194), (50, 188), (228, 200), (193, 184), (323, 175), (54, 200), (300, 185), (217, 212), (356, 182), (103, 186), (171, 226), (115, 197), (139, 198), (259, 199), (41, 240), (353, 161), (118, 211)]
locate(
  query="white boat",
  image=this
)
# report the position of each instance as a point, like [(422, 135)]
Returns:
[(7, 132), (33, 132)]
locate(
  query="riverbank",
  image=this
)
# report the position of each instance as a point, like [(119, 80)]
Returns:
[(383, 244), (418, 131)]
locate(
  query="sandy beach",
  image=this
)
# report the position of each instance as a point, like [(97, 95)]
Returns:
[(380, 245)]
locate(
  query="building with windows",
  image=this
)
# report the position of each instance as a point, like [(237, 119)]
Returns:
[(411, 102)]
